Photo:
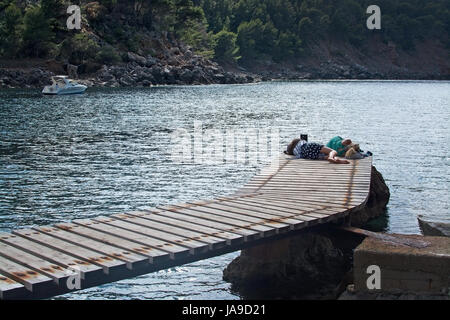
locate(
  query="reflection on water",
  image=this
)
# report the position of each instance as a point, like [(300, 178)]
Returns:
[(107, 151), (379, 224)]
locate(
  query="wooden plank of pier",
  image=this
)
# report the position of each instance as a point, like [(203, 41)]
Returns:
[(287, 196)]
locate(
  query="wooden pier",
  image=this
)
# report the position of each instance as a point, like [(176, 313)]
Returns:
[(293, 194)]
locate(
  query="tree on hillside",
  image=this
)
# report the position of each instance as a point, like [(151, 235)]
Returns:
[(10, 29), (225, 47), (37, 32), (81, 48), (190, 26), (249, 37), (52, 8)]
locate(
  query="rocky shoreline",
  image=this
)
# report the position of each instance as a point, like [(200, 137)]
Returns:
[(144, 74), (180, 66), (330, 70), (142, 71), (171, 63), (137, 72), (140, 74)]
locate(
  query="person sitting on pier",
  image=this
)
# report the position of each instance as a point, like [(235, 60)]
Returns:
[(302, 149)]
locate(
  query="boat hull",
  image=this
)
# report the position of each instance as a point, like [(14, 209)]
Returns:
[(48, 90)]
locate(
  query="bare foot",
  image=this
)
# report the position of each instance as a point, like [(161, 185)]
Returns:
[(335, 160), (342, 161)]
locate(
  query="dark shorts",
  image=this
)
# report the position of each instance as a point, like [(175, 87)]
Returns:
[(311, 151)]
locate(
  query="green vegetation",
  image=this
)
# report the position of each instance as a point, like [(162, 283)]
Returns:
[(37, 32), (107, 55), (225, 47), (11, 30), (283, 28), (81, 48), (227, 30)]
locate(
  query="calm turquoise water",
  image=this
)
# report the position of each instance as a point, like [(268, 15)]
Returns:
[(108, 151)]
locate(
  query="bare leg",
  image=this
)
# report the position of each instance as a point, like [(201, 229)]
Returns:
[(332, 155)]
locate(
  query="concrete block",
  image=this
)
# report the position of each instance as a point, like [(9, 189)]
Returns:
[(404, 268)]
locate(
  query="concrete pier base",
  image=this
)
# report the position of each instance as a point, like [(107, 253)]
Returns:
[(402, 269)]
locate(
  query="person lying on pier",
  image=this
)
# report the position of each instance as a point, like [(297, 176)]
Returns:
[(340, 145), (302, 149), (346, 148)]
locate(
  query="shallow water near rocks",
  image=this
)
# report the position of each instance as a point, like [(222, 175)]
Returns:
[(108, 151)]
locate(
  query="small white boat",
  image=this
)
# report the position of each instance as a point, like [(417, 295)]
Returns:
[(63, 85)]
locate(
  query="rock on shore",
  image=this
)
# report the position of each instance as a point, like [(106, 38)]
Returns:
[(311, 265), (24, 78), (429, 228), (141, 71), (376, 203)]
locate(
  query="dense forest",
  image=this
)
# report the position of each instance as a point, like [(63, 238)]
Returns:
[(227, 30)]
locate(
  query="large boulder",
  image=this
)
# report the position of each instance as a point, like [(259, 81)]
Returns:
[(144, 75), (186, 76), (133, 57), (376, 203), (105, 74), (127, 81), (431, 228), (157, 73), (150, 61), (310, 265)]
